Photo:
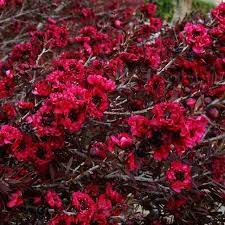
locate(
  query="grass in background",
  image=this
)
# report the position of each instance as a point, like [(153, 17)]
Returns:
[(166, 7)]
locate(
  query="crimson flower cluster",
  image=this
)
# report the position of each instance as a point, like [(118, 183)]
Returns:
[(110, 116)]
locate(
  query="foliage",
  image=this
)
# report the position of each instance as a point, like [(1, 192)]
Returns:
[(203, 6), (109, 116), (166, 8)]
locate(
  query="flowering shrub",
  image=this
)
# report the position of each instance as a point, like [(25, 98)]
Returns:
[(110, 116)]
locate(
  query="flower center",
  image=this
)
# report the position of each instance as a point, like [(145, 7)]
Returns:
[(179, 175), (47, 119), (41, 153), (73, 115), (97, 100)]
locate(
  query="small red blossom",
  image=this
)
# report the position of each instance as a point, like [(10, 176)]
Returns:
[(98, 103), (101, 82), (85, 206), (7, 112), (99, 149), (56, 36), (197, 36), (104, 205), (156, 87), (113, 195), (179, 176), (42, 154), (151, 57), (22, 148), (149, 9), (15, 199), (7, 87), (140, 126), (2, 3), (155, 24), (219, 13), (53, 199), (169, 114), (9, 134), (122, 140), (42, 88), (25, 105), (196, 129), (37, 200), (132, 163), (45, 121)]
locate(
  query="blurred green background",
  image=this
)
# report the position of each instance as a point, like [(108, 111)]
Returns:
[(166, 8)]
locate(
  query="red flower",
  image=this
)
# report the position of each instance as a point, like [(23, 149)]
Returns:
[(117, 200), (156, 87), (9, 134), (162, 152), (7, 87), (155, 24), (42, 154), (115, 67), (24, 54), (217, 91), (151, 56), (59, 80), (25, 105), (15, 199), (98, 103), (122, 140), (113, 195), (104, 210), (22, 148), (140, 126), (2, 3), (129, 57), (220, 67), (149, 9), (45, 121), (42, 88), (179, 176), (99, 149), (196, 130), (84, 205), (7, 112), (73, 68), (218, 31), (71, 108), (100, 219), (74, 118), (197, 36), (53, 199), (56, 36), (101, 82), (219, 13), (104, 205), (168, 114), (132, 163)]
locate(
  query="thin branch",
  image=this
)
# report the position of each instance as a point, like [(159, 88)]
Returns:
[(222, 136), (170, 62)]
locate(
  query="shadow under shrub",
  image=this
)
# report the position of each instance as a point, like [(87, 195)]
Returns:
[(110, 116)]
